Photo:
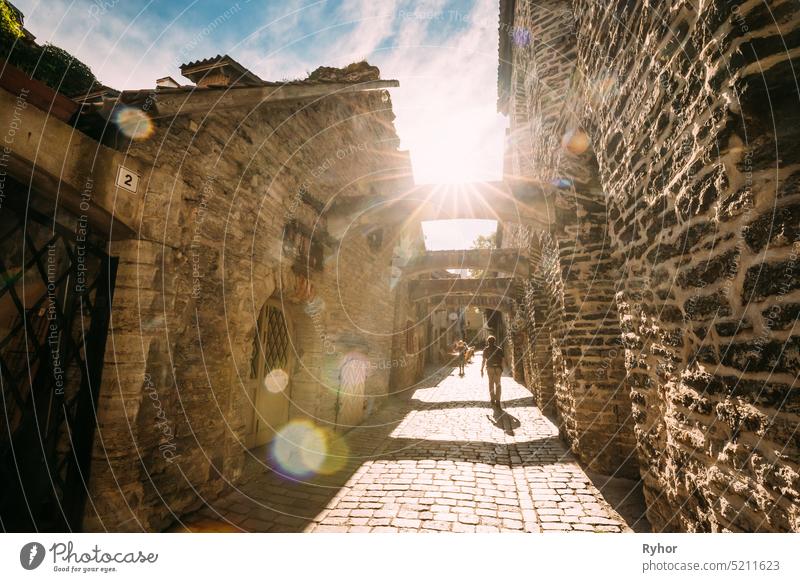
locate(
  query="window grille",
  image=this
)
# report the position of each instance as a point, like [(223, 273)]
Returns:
[(270, 344)]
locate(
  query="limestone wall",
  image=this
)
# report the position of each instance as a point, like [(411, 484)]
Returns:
[(233, 214), (691, 110)]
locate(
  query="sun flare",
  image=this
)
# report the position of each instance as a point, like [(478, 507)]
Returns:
[(452, 148)]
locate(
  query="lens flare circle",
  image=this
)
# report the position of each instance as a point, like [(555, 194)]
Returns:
[(276, 381), (575, 141), (300, 448), (133, 123)]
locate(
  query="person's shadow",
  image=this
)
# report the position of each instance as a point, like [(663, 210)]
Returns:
[(503, 420)]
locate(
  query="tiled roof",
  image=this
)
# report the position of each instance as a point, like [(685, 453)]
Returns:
[(207, 61), (244, 76)]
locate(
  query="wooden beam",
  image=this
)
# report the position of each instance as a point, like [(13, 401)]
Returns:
[(67, 196), (70, 168)]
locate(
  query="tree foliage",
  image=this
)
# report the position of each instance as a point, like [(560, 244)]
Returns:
[(483, 242), (10, 25), (49, 64)]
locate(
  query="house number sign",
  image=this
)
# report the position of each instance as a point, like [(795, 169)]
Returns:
[(127, 179)]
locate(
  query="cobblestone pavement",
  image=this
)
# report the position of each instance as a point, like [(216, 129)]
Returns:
[(439, 461)]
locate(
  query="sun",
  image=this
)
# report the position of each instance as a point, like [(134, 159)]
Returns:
[(454, 149)]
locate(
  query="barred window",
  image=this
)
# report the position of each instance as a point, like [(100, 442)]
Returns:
[(271, 343)]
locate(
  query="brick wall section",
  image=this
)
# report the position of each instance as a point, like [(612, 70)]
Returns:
[(692, 113), (224, 187)]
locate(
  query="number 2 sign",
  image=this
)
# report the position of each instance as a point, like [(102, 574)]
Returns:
[(127, 179)]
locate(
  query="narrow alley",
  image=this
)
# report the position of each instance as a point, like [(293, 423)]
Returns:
[(238, 270), (439, 461)]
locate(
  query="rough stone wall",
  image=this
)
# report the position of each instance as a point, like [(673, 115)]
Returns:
[(691, 110), (577, 276), (574, 346), (133, 449), (539, 316), (594, 398), (230, 217), (410, 336), (517, 348), (695, 129), (409, 342)]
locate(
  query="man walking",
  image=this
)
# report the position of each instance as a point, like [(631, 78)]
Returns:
[(493, 361)]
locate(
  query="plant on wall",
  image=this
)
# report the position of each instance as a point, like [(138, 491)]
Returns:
[(10, 24)]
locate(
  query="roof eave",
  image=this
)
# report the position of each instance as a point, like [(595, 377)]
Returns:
[(176, 102)]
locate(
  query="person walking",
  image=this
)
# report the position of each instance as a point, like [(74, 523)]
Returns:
[(493, 361), (461, 349)]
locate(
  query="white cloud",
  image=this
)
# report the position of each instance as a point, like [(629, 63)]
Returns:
[(445, 106), (124, 49)]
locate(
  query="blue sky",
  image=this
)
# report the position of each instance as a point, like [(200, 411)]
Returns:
[(443, 52)]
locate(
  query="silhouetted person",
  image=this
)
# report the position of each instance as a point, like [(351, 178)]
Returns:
[(493, 361), (461, 348)]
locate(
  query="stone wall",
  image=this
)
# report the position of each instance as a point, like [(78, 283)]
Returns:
[(579, 372), (575, 359), (691, 112), (233, 214), (409, 343), (701, 189)]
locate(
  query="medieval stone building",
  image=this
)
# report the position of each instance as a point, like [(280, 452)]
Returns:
[(228, 277), (192, 269)]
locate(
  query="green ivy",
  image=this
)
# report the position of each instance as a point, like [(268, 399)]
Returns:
[(49, 64), (9, 23)]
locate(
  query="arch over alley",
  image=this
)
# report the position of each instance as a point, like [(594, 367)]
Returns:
[(513, 201), (512, 262), (495, 286)]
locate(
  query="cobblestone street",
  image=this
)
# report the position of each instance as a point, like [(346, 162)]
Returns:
[(439, 461)]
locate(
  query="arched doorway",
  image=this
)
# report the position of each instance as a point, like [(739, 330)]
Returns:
[(269, 384)]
